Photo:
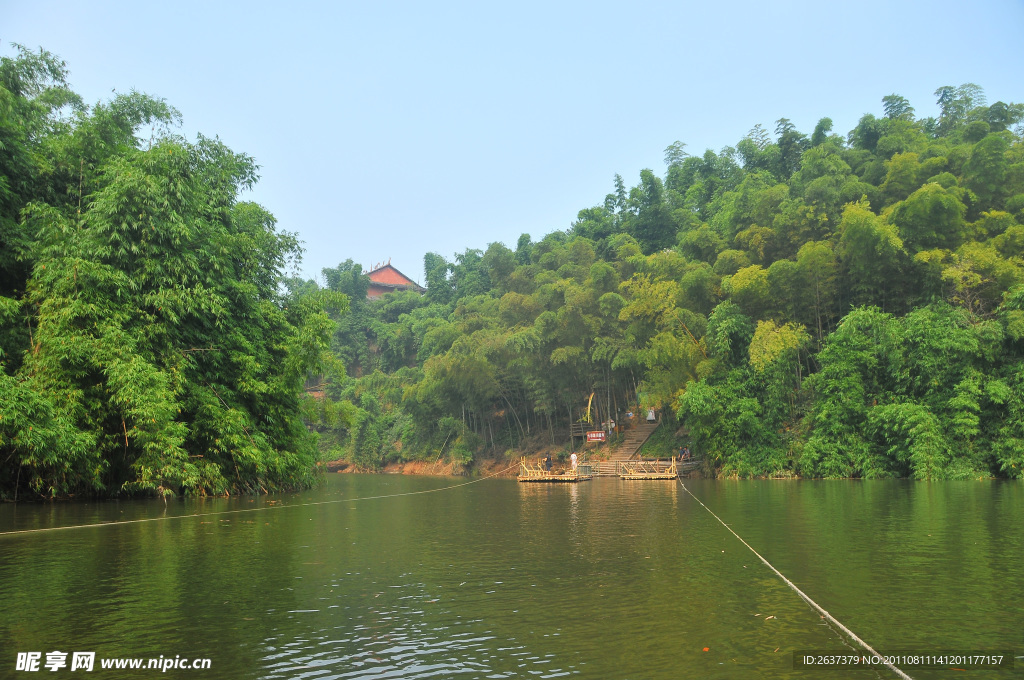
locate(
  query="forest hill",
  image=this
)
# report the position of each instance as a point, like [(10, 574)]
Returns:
[(826, 305)]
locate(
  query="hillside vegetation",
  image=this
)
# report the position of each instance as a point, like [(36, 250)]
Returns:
[(836, 306), (826, 305)]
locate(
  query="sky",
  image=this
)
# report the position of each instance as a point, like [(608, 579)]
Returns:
[(386, 130)]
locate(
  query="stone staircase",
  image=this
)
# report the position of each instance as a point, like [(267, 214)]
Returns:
[(627, 450)]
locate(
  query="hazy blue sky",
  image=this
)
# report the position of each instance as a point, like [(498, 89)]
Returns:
[(390, 129)]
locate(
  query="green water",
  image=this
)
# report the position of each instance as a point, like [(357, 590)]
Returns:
[(604, 579)]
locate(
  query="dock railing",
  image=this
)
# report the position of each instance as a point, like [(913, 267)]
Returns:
[(528, 471), (646, 467)]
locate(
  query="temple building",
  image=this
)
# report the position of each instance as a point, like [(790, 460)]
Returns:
[(385, 279)]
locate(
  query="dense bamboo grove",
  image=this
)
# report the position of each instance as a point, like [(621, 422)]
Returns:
[(145, 345), (824, 305)]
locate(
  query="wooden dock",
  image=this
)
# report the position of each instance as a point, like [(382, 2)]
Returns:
[(648, 469), (536, 473)]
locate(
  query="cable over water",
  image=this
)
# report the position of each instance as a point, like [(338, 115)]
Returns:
[(243, 510), (801, 593)]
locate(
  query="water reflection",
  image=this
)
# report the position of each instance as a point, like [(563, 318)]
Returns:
[(574, 502)]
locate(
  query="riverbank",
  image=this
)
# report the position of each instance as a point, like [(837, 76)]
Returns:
[(420, 467), (502, 466), (498, 467), (663, 443)]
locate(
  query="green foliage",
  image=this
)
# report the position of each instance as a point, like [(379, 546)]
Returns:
[(772, 344), (910, 395), (835, 307), (160, 355), (986, 169), (931, 217), (729, 334)]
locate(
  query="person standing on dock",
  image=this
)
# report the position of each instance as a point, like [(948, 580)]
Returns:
[(572, 459)]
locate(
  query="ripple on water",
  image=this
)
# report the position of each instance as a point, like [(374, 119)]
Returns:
[(408, 632), (398, 651)]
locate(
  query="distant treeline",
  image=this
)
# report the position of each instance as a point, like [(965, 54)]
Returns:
[(826, 305)]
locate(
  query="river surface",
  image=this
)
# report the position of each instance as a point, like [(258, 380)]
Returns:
[(387, 576)]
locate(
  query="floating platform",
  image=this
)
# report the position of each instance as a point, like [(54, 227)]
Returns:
[(642, 470), (537, 473)]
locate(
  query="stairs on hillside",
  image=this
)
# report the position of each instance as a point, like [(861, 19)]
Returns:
[(627, 450)]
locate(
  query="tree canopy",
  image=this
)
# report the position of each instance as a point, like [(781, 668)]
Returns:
[(147, 344)]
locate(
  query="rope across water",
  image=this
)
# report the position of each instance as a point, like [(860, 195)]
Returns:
[(801, 593), (243, 510), (768, 564)]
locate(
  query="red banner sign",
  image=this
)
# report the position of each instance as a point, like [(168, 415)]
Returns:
[(595, 436)]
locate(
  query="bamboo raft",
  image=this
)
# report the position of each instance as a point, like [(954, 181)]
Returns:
[(643, 469), (536, 473)]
